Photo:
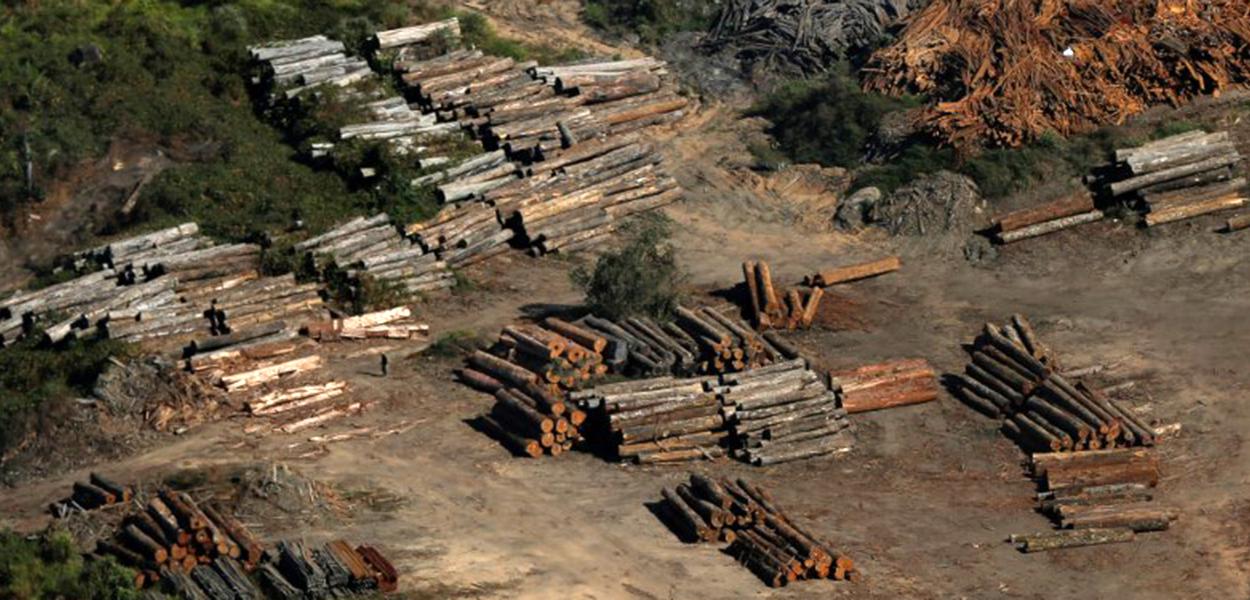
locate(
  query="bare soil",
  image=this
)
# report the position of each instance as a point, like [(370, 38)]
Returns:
[(925, 501)]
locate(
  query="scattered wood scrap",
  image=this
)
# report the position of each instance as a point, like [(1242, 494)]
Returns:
[(1003, 73), (758, 532), (1015, 377)]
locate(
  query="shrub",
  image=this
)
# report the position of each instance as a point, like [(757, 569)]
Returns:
[(49, 566), (640, 278), (650, 20)]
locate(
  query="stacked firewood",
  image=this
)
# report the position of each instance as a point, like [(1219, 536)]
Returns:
[(296, 66), (760, 534), (97, 492), (172, 539), (1013, 376), (372, 247), (887, 385), (773, 414), (768, 309), (1180, 177), (298, 570), (1096, 497)]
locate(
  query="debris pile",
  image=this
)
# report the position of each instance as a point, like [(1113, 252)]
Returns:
[(373, 248), (887, 385), (769, 415), (760, 534), (1003, 73), (808, 35), (1013, 376), (1180, 177), (1096, 497)]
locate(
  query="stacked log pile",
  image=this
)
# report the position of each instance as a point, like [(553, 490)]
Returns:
[(887, 385), (1096, 497), (1027, 68), (808, 35), (758, 532), (289, 68), (97, 492), (299, 570), (394, 324), (1015, 377), (371, 247), (171, 540), (769, 308), (773, 414), (1180, 177)]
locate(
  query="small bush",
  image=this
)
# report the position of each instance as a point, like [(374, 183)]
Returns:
[(49, 566), (642, 278), (650, 20), (827, 121)]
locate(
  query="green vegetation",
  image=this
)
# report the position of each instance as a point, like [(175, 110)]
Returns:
[(36, 380), (479, 33), (650, 20), (640, 278), (454, 344), (48, 566)]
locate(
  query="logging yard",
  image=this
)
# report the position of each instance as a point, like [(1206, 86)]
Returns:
[(561, 298)]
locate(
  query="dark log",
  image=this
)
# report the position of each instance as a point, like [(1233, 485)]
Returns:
[(787, 349), (251, 549), (665, 430), (212, 583), (277, 585), (189, 517), (1072, 538), (670, 456), (710, 514), (522, 415), (517, 443), (140, 542), (702, 439), (91, 496), (125, 555)]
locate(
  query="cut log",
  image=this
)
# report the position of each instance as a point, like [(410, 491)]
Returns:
[(1237, 223), (1189, 211), (1050, 227), (1076, 204), (1057, 540), (855, 272), (1135, 183)]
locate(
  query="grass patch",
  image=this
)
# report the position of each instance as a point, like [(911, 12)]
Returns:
[(640, 278), (49, 566), (650, 20), (477, 31)]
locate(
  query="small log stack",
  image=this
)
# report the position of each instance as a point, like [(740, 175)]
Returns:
[(289, 68), (758, 532), (772, 309), (784, 412), (887, 385), (657, 421), (1180, 177), (97, 492), (1013, 376), (372, 247), (303, 570), (1096, 497), (1057, 215)]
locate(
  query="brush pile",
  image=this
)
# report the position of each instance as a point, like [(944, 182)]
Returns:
[(760, 534), (1002, 73), (1096, 497), (807, 35), (1180, 177), (773, 414), (1013, 376)]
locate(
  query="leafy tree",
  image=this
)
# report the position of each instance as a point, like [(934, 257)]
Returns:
[(642, 278)]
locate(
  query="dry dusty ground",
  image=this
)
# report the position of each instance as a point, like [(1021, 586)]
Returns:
[(923, 503)]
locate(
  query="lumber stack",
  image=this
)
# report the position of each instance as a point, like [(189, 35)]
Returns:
[(1047, 218), (97, 492), (1067, 67), (393, 323), (890, 384), (140, 249), (660, 420), (171, 540), (371, 247), (290, 68), (770, 308), (1096, 497), (807, 35), (784, 412), (759, 534), (1015, 377), (1180, 177)]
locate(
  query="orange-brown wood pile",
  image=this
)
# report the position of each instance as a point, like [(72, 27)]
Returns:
[(1004, 72)]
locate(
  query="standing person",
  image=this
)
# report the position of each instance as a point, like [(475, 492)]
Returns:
[(386, 363)]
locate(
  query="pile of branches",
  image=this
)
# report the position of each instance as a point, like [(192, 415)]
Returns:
[(808, 35), (1002, 73)]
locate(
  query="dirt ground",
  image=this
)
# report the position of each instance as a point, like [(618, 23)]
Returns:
[(925, 501)]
